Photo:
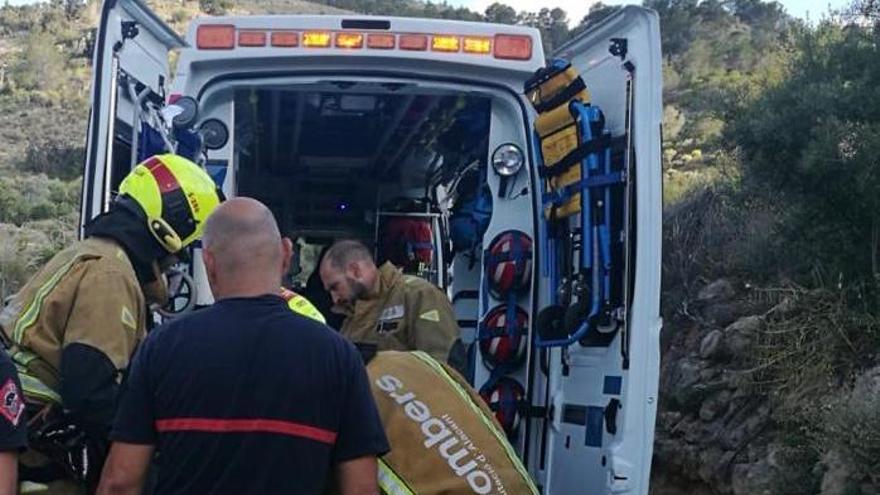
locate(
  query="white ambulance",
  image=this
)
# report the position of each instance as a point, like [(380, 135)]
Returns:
[(329, 119)]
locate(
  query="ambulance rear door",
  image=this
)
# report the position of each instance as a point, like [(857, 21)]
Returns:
[(130, 74), (593, 395)]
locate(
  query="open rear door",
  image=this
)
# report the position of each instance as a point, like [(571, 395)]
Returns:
[(130, 73), (598, 389)]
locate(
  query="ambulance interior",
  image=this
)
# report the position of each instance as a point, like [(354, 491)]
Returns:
[(341, 160)]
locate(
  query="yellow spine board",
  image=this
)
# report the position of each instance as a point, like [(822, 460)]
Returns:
[(557, 130)]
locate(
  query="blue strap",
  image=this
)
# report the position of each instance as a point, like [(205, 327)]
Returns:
[(497, 374), (561, 195), (511, 323)]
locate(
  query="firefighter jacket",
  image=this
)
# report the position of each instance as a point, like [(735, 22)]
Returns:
[(407, 313), (74, 326)]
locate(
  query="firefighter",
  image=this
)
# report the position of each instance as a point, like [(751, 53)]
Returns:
[(387, 309), (73, 327)]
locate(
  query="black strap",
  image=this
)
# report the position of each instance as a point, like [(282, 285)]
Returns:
[(562, 97), (575, 156), (544, 74)]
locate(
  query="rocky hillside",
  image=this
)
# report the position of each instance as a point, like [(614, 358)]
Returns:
[(725, 425)]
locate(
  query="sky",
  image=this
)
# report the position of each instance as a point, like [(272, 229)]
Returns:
[(578, 8)]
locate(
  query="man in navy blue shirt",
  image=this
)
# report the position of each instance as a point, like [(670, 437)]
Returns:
[(246, 396)]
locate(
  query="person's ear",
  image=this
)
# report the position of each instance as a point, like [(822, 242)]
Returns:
[(210, 265), (354, 270), (286, 255)]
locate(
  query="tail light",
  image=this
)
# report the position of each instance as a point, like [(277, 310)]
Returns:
[(513, 47), (215, 37), (381, 41), (285, 38), (413, 42), (251, 38)]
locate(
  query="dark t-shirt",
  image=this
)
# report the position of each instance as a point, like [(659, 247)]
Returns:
[(248, 397), (13, 427)]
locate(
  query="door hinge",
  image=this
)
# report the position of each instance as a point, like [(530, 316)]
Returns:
[(129, 30), (618, 47)]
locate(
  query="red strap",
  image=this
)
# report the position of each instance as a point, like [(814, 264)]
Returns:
[(280, 427), (164, 178)]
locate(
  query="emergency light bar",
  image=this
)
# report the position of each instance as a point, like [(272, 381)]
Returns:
[(227, 37)]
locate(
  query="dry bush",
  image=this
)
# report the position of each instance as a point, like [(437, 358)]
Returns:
[(720, 231), (806, 359), (822, 340)]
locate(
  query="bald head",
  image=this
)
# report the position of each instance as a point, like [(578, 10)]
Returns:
[(243, 250)]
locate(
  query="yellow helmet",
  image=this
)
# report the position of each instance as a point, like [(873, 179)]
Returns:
[(176, 195)]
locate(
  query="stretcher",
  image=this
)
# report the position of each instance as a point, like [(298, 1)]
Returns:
[(583, 177)]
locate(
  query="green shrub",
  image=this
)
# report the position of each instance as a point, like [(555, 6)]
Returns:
[(41, 66), (36, 197), (53, 156)]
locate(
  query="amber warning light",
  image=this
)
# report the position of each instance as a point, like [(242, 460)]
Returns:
[(501, 46)]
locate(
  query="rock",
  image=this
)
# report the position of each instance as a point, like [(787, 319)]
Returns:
[(751, 479), (710, 346), (747, 324), (739, 480), (709, 374), (715, 406), (682, 385), (667, 420), (739, 336), (838, 475), (724, 463), (719, 290), (693, 430), (868, 383), (738, 345), (870, 489), (723, 313), (710, 458), (745, 424)]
